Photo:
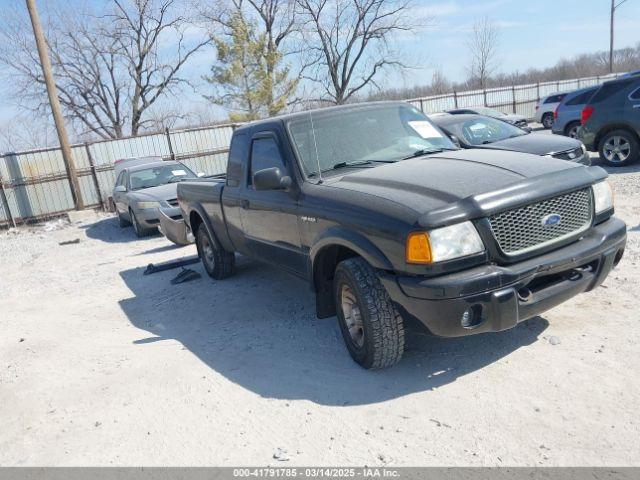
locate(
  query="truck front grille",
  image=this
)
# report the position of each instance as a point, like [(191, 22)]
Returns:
[(539, 224)]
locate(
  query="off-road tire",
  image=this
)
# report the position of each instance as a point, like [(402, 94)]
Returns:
[(139, 230), (547, 120), (630, 138), (570, 127), (383, 326), (218, 263)]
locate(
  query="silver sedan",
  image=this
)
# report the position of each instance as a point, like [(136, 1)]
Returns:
[(141, 190)]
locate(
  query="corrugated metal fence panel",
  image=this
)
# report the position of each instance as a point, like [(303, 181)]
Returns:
[(203, 149), (107, 152)]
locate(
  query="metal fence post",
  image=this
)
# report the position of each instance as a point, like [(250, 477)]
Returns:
[(5, 204), (94, 175), (168, 135), (484, 95), (513, 96), (538, 92), (455, 98), (422, 105)]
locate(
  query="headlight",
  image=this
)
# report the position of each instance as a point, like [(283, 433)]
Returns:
[(602, 196), (444, 243), (143, 205)]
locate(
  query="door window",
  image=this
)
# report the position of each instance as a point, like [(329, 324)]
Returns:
[(265, 154)]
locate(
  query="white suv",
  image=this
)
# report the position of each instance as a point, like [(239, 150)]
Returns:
[(545, 108)]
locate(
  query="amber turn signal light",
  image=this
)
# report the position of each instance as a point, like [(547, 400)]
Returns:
[(418, 248)]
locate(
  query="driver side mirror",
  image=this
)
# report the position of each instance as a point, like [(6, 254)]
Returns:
[(120, 189), (271, 179), (455, 141), (200, 174)]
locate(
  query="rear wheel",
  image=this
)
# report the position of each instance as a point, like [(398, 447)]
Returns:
[(619, 148), (571, 130), (547, 120), (218, 263), (371, 326)]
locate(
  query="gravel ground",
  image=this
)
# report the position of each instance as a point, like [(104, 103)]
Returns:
[(100, 365)]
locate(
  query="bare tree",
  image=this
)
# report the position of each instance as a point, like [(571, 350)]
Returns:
[(140, 26), (483, 45), (348, 41), (109, 70), (439, 83)]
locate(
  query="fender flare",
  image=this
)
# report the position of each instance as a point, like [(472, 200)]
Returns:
[(205, 221), (354, 241)]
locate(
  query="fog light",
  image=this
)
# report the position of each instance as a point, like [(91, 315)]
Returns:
[(471, 317)]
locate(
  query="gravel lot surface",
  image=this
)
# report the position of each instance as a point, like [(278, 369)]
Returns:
[(100, 365)]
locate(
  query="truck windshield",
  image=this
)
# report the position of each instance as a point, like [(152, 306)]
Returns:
[(363, 136), (158, 175)]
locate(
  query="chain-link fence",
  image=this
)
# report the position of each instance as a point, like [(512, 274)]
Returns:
[(34, 184)]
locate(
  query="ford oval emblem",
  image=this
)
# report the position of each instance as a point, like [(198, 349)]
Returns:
[(551, 220)]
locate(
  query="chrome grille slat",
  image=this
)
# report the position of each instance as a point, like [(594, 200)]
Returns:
[(521, 229)]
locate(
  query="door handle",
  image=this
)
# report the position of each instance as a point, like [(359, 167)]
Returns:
[(244, 204)]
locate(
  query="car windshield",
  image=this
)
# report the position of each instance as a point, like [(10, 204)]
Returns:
[(484, 130), (490, 112), (158, 175), (363, 136)]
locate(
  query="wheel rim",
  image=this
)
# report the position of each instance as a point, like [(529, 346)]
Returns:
[(616, 149), (573, 132), (207, 252), (547, 121), (352, 315)]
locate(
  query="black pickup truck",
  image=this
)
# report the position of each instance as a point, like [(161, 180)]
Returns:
[(388, 220)]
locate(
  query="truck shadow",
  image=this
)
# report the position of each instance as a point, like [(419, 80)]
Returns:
[(259, 330)]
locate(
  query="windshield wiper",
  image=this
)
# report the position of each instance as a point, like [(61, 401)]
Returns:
[(427, 151), (357, 164)]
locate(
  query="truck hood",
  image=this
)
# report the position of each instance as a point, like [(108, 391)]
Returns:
[(433, 182)]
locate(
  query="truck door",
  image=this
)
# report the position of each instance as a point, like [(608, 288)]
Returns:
[(269, 218)]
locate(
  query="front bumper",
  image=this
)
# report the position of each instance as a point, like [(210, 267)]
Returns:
[(499, 297), (150, 217)]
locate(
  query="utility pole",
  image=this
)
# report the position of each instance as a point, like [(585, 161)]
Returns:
[(65, 148), (614, 5)]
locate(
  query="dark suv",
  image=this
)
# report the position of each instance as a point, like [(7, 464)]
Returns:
[(611, 121)]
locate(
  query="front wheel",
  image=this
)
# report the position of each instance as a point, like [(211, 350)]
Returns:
[(619, 148), (139, 229), (218, 262), (371, 326), (122, 222)]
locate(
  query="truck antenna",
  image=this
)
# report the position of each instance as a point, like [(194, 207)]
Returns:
[(313, 131)]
